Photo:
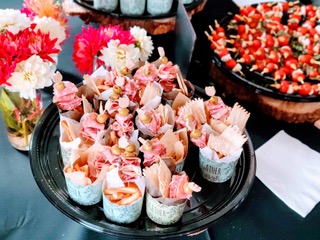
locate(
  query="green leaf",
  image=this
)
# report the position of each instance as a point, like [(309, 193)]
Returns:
[(7, 108)]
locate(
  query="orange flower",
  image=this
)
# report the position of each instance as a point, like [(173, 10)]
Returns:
[(46, 8)]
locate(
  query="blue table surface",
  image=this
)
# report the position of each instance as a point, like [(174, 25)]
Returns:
[(25, 213)]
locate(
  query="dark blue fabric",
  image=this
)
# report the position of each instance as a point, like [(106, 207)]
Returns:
[(25, 213)]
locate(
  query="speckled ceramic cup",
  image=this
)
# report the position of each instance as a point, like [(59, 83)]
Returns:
[(158, 7), (132, 7), (106, 5), (163, 214)]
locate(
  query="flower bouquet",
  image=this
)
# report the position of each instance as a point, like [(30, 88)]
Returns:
[(30, 41), (111, 46)]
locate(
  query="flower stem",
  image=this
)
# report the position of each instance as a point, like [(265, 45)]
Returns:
[(25, 132)]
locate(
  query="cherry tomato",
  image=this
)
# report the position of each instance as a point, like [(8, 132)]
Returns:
[(241, 51), (283, 40), (220, 30), (279, 74), (276, 19), (241, 29), (260, 64), (274, 56), (309, 23), (305, 59), (260, 54), (302, 30), (286, 51), (269, 41), (312, 31), (215, 37), (237, 18), (298, 76), (256, 17), (305, 89), (213, 46), (293, 24), (313, 74), (309, 8), (247, 59), (264, 7), (223, 52), (237, 44), (311, 14), (309, 49), (316, 88), (245, 11), (244, 36), (270, 67), (231, 63), (284, 86), (291, 63), (253, 24), (285, 6), (256, 43)]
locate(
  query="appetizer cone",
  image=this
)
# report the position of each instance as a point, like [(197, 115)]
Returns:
[(219, 159), (69, 137), (153, 122), (122, 202), (82, 187), (166, 194)]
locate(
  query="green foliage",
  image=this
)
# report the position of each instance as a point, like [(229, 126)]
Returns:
[(7, 107)]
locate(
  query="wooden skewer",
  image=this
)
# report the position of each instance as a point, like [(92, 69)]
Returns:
[(211, 29)]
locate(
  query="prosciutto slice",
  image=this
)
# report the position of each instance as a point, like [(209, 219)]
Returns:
[(181, 188), (66, 99), (123, 125), (90, 126), (158, 150), (129, 173)]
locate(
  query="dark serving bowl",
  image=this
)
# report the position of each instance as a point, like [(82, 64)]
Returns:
[(254, 80)]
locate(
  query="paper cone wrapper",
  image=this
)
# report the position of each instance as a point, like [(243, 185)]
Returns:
[(85, 195), (72, 114), (163, 214), (152, 101), (144, 130), (124, 214), (177, 149), (88, 93), (169, 97), (66, 146), (217, 170)]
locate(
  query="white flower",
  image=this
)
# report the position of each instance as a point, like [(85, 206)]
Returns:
[(120, 55), (13, 20), (53, 27), (30, 75), (144, 42)]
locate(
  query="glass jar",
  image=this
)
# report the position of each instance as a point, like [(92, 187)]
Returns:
[(20, 116)]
